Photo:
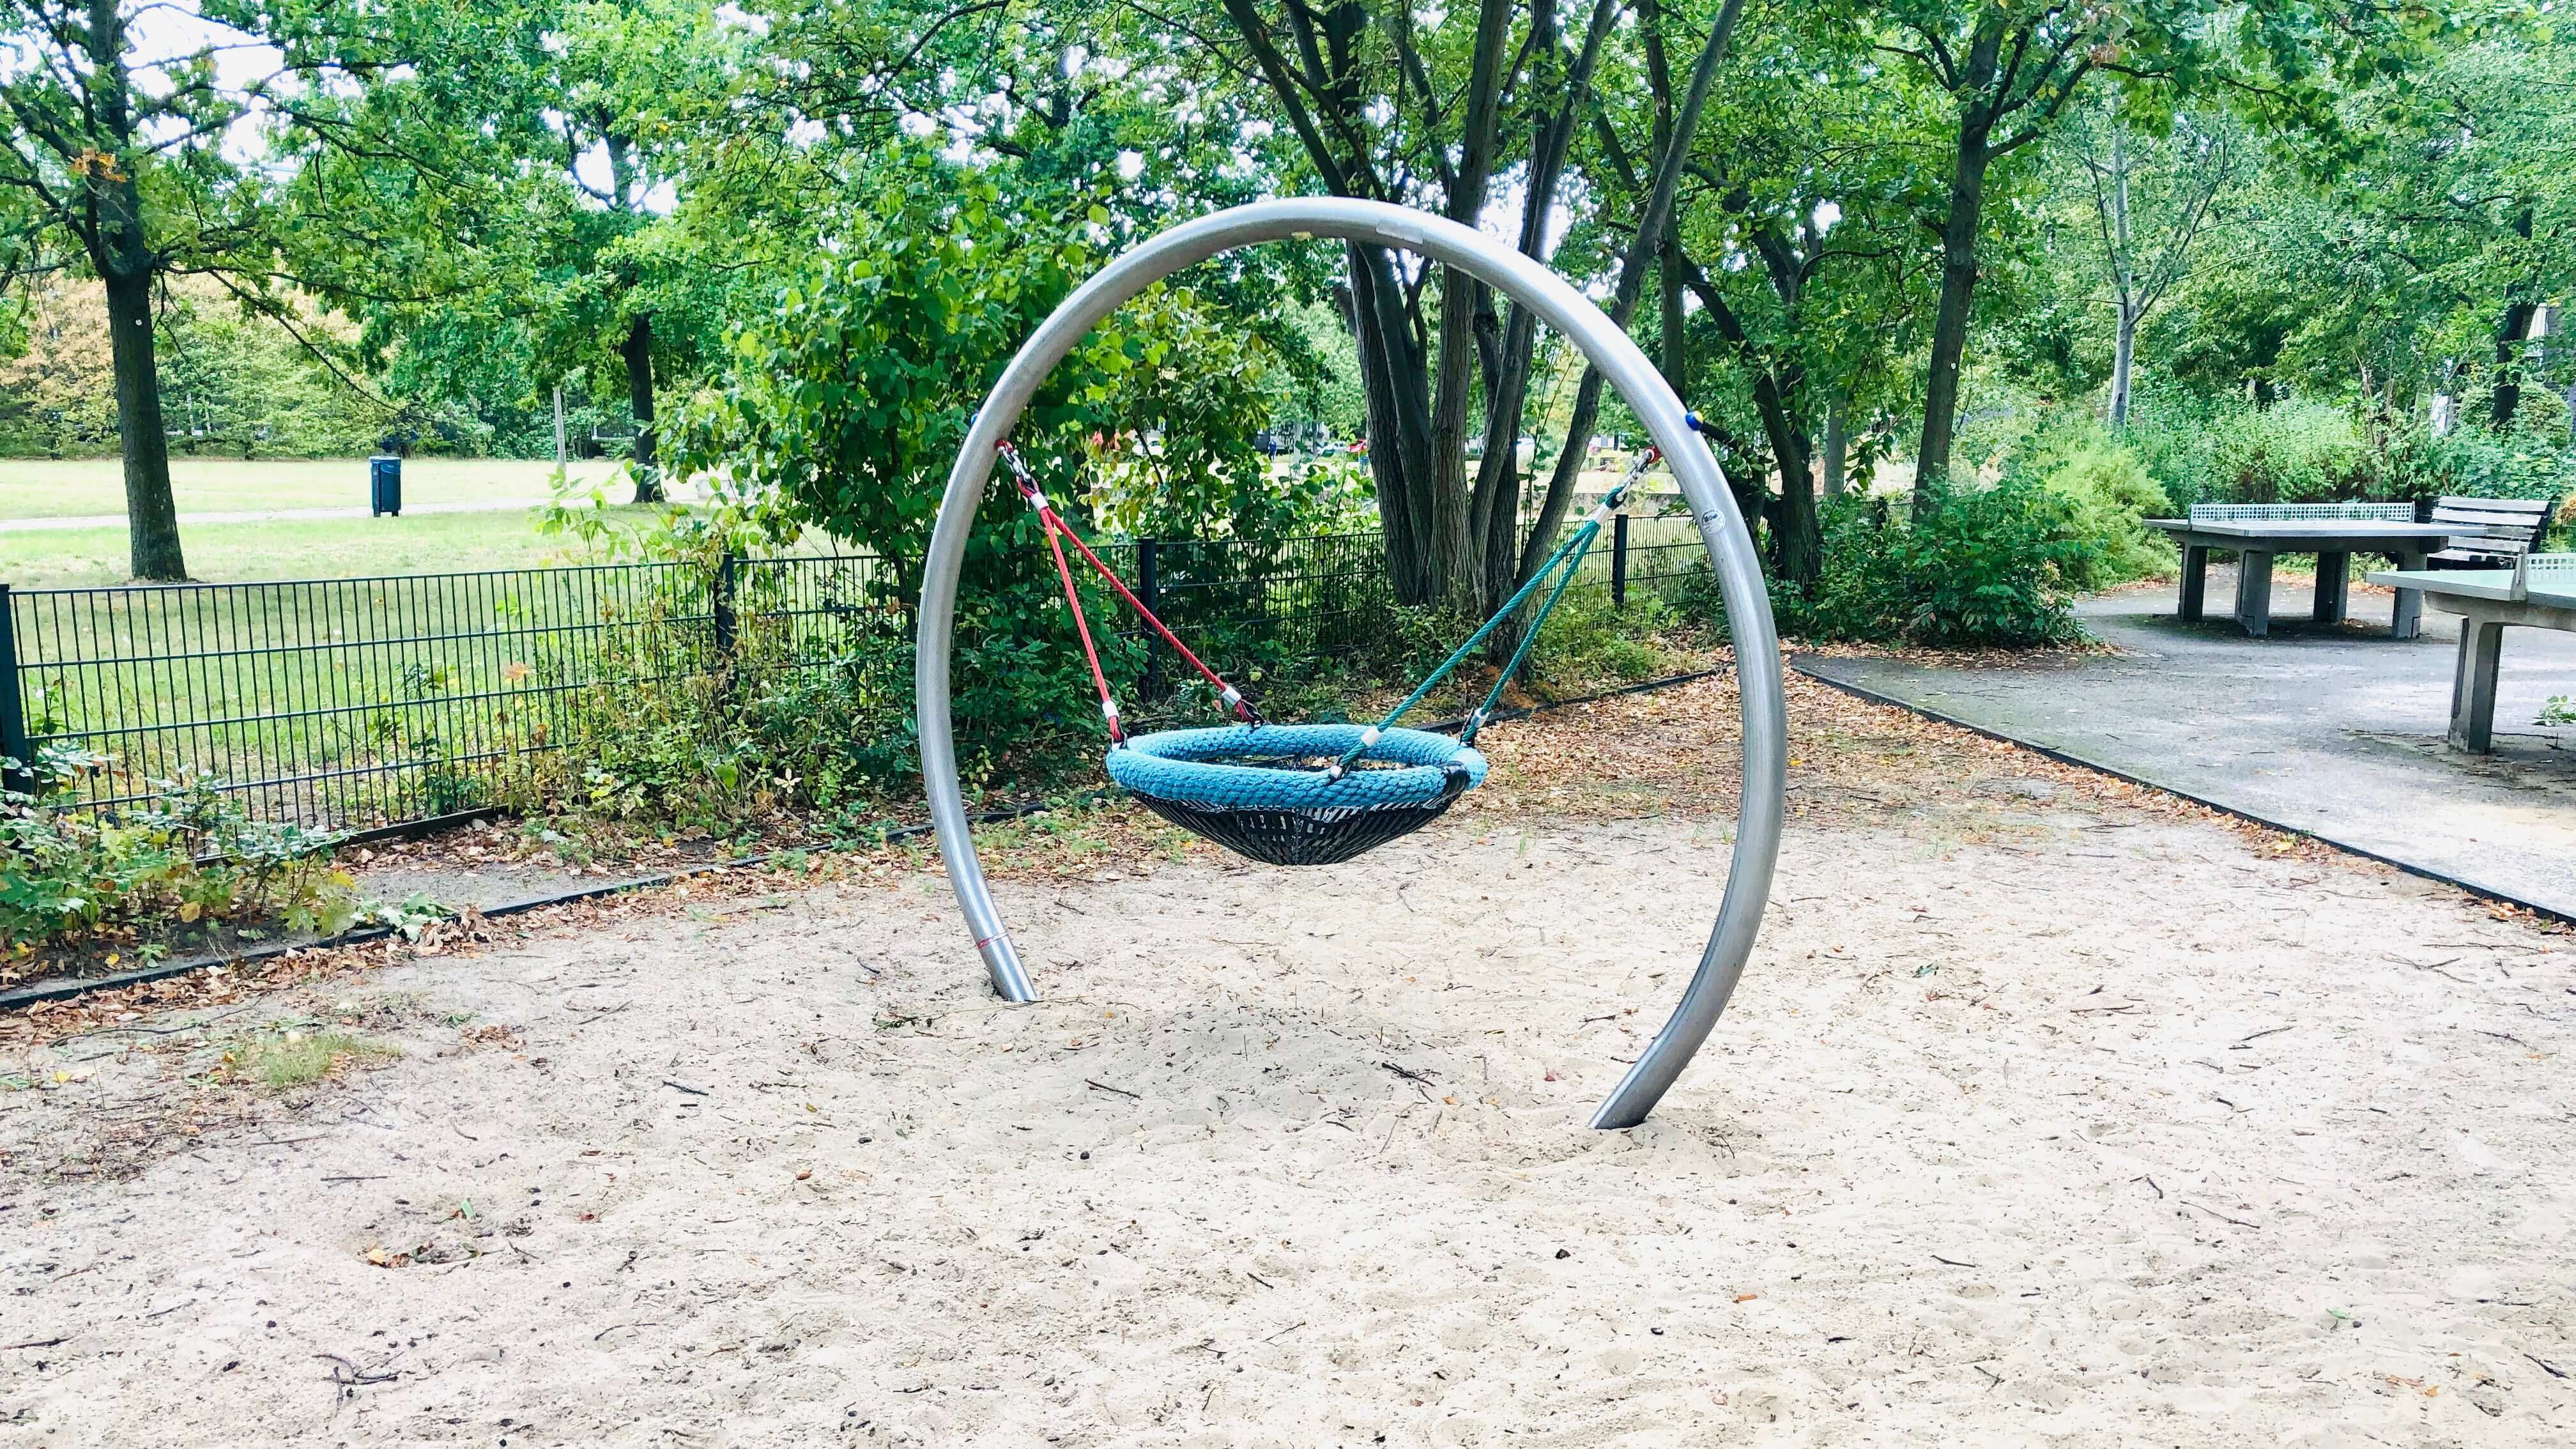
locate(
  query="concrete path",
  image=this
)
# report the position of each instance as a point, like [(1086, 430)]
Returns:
[(265, 515), (2336, 731)]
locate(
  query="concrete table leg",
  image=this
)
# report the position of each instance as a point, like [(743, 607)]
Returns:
[(2195, 583), (2406, 621), (2334, 577), (2473, 686), (2254, 592)]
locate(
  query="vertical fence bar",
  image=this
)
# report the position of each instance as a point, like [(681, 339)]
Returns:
[(1149, 589), (13, 704), (726, 625), (1619, 561)]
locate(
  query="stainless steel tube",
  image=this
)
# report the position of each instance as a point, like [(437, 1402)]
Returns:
[(1730, 551)]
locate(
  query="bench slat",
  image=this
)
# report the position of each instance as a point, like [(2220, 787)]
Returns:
[(2493, 505)]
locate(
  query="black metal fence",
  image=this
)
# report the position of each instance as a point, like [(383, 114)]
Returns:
[(373, 702)]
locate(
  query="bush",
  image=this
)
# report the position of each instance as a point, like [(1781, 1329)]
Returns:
[(2474, 462), (2290, 452), (1982, 569), (2110, 494), (1588, 642), (69, 876)]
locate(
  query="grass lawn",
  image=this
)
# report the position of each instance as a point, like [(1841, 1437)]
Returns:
[(81, 487), (294, 549)]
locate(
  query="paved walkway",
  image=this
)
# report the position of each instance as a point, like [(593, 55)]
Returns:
[(265, 515), (2336, 731)]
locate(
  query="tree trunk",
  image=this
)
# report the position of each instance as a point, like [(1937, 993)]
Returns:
[(1977, 102), (1837, 446), (2124, 355), (2510, 333), (1950, 322), (1796, 539), (151, 517), (638, 350), (122, 255), (1675, 363), (1396, 385), (1653, 219)]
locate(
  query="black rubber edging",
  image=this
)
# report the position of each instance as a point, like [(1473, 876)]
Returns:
[(25, 996), (65, 990), (2063, 757)]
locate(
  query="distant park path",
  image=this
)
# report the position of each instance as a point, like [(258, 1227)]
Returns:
[(265, 515)]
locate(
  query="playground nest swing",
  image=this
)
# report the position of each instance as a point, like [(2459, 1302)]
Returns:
[(1307, 794)]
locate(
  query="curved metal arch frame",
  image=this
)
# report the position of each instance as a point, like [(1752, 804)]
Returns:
[(1622, 365)]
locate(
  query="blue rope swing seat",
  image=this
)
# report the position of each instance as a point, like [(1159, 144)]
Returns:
[(1262, 790), (1306, 794)]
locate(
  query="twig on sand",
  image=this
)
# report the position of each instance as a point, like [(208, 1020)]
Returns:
[(1994, 1380), (612, 1328), (1951, 1262), (348, 1375), (66, 1338), (2554, 1370), (2222, 1217), (2151, 1184), (685, 1087), (2258, 1036), (1283, 1333), (1104, 1086), (1409, 1074)]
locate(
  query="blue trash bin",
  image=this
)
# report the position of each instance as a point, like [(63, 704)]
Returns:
[(384, 487)]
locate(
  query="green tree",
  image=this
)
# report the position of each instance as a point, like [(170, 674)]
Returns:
[(2152, 196), (565, 178), (1424, 108), (118, 154)]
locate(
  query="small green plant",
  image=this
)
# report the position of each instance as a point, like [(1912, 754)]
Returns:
[(416, 913), (300, 1056), (2558, 709)]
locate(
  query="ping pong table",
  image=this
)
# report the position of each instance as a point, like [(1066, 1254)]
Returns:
[(2334, 532), (2539, 593)]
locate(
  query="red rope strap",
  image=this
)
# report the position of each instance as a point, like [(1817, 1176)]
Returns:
[(1082, 626), (1057, 528)]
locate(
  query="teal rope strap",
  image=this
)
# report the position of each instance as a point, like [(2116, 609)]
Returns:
[(1591, 530), (1578, 547)]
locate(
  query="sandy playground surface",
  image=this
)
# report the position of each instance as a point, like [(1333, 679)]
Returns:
[(2048, 1114)]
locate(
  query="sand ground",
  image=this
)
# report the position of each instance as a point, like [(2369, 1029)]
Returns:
[(2044, 1116)]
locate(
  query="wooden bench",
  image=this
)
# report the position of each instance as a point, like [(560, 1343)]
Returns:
[(2490, 533)]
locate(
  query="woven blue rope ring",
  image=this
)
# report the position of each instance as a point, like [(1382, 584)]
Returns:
[(1200, 767)]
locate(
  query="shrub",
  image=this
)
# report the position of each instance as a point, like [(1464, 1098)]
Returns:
[(1989, 568), (2290, 452), (2110, 494), (66, 876), (2474, 462), (1588, 642)]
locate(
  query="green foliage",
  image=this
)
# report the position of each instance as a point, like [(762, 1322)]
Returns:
[(2294, 451), (1991, 568), (2530, 461), (194, 856), (2107, 489), (2111, 492), (1587, 642)]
